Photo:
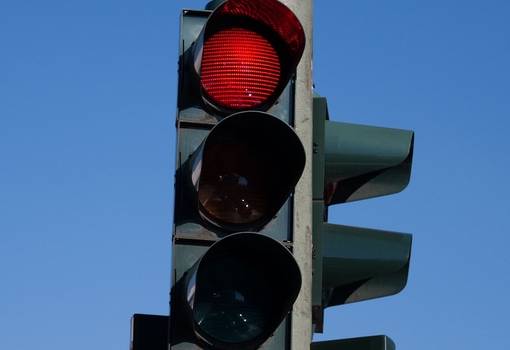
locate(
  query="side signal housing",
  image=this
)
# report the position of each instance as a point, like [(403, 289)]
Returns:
[(352, 264)]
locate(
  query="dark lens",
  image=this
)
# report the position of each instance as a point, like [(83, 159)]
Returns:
[(249, 164), (228, 305), (232, 186), (241, 290)]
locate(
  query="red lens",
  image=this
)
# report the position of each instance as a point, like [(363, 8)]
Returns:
[(240, 68)]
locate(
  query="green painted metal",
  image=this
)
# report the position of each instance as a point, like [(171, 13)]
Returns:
[(378, 342), (192, 235), (317, 266), (360, 264), (351, 264), (365, 161), (354, 162), (320, 116)]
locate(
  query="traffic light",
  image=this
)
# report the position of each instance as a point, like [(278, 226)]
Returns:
[(353, 162), (234, 278), (238, 159), (149, 332)]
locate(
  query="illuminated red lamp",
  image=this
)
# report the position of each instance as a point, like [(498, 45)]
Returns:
[(246, 54)]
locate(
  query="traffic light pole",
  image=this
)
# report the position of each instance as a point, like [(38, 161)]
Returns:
[(301, 334)]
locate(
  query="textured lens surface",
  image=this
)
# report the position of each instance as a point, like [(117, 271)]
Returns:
[(240, 68), (228, 305), (233, 188), (243, 286)]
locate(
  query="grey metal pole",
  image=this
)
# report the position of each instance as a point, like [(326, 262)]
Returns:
[(301, 334)]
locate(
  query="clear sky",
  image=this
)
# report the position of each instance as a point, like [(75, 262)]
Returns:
[(87, 108)]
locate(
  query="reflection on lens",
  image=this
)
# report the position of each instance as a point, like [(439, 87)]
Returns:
[(239, 76), (243, 287), (249, 164), (230, 324), (227, 306), (231, 187), (229, 197)]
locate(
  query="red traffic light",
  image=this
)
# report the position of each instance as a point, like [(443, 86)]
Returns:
[(246, 54), (239, 76)]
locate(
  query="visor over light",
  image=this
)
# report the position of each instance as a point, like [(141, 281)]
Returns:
[(246, 54)]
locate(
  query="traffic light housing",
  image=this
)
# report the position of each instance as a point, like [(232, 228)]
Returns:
[(149, 332), (234, 278), (378, 342), (354, 162)]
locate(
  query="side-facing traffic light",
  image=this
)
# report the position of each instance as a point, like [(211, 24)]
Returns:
[(238, 160), (354, 162)]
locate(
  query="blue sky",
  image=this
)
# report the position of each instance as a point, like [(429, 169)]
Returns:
[(87, 153)]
